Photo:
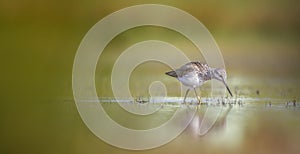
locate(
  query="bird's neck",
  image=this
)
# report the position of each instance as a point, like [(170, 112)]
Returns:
[(212, 73)]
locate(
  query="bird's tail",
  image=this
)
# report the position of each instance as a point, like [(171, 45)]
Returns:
[(172, 74)]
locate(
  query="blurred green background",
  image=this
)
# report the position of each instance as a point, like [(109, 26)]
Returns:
[(39, 39)]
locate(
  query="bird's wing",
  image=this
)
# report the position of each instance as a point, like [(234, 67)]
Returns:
[(204, 71), (185, 70), (198, 68)]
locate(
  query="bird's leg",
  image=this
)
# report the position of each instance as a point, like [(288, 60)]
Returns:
[(198, 98), (186, 93)]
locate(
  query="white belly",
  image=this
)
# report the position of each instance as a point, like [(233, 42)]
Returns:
[(191, 80)]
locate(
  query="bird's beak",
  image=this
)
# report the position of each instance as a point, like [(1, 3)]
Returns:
[(227, 87)]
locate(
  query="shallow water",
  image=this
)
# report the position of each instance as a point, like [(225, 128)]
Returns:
[(50, 122), (255, 125)]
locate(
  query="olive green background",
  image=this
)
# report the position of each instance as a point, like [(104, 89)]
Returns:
[(259, 40)]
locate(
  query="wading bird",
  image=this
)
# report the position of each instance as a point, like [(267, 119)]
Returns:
[(195, 74)]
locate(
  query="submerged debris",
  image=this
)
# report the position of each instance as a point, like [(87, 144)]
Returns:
[(291, 103), (269, 104), (227, 101), (257, 92), (176, 101), (141, 101)]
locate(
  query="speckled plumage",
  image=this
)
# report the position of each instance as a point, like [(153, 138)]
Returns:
[(192, 74), (195, 74), (201, 69)]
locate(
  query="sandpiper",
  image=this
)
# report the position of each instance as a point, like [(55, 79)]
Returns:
[(195, 74)]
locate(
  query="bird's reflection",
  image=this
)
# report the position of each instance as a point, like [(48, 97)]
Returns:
[(218, 125)]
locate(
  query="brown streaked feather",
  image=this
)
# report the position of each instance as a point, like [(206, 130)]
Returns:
[(202, 69)]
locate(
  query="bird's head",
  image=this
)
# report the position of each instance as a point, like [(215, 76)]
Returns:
[(220, 74)]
